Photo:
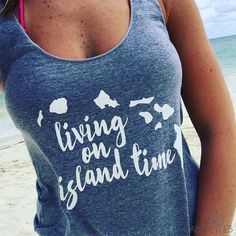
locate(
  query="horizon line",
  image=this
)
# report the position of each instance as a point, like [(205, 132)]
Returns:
[(222, 36)]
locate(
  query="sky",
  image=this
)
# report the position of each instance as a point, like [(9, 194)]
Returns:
[(219, 17)]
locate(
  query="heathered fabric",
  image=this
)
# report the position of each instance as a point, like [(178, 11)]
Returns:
[(104, 133)]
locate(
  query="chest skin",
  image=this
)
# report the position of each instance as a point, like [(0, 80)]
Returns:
[(76, 29)]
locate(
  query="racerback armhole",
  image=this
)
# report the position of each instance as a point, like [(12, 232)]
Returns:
[(21, 14), (157, 4)]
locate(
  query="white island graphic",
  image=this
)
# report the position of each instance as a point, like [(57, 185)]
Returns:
[(59, 106), (147, 116), (40, 117), (178, 143), (166, 110), (103, 100), (134, 103)]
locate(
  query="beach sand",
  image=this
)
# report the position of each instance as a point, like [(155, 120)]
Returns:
[(17, 184)]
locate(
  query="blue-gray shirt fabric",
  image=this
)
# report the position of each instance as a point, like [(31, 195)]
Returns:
[(104, 134)]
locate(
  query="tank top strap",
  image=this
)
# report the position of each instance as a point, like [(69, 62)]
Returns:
[(149, 9), (21, 14)]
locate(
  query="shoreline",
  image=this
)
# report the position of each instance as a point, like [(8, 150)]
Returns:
[(10, 141)]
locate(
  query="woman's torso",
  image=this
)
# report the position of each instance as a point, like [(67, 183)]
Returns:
[(131, 88)]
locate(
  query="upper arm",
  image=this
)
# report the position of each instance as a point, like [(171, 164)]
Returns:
[(204, 91)]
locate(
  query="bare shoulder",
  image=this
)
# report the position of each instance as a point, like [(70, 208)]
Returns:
[(172, 8)]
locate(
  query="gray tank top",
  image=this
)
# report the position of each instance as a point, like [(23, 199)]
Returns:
[(104, 133)]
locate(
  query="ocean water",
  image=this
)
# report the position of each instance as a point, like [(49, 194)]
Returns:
[(224, 48)]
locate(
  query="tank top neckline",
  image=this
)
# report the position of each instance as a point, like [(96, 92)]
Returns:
[(27, 38)]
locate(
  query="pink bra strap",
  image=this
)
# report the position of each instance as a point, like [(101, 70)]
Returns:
[(21, 14)]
